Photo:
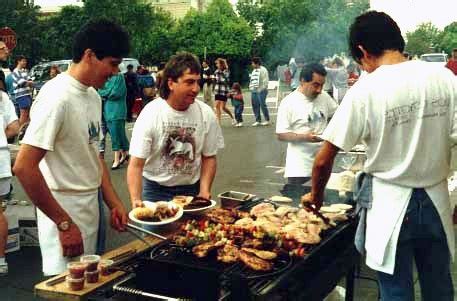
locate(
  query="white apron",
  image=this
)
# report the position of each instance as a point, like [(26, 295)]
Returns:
[(84, 211)]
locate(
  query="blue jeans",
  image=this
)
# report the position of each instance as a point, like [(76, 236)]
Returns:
[(423, 240), (239, 107), (259, 102), (153, 191)]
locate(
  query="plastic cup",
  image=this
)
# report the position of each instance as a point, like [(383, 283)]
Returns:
[(103, 266), (76, 269), (92, 277), (91, 261), (74, 284)]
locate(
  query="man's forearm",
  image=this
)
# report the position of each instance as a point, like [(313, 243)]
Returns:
[(208, 172), (295, 137), (135, 181), (322, 169)]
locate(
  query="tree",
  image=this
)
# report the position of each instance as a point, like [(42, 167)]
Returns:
[(60, 30), (218, 32), (22, 17), (424, 39), (448, 38), (310, 28)]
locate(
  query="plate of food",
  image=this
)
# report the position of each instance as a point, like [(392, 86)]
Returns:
[(156, 213), (192, 204)]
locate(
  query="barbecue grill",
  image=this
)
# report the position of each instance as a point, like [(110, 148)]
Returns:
[(170, 271)]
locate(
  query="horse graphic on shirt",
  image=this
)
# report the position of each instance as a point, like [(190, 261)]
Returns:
[(181, 148)]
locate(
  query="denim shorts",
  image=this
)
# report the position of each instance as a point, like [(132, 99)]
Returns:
[(24, 102)]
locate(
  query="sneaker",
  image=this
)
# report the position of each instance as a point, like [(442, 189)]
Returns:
[(234, 122), (239, 124), (265, 123), (256, 123), (4, 269)]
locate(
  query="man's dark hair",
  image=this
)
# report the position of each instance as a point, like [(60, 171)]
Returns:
[(306, 73), (129, 67), (104, 37), (19, 58), (256, 60), (175, 68), (376, 32)]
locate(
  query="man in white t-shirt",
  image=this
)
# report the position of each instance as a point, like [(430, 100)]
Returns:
[(302, 117), (405, 113), (175, 139), (58, 163), (10, 128)]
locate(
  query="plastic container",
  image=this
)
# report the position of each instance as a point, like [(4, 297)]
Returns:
[(230, 199), (74, 284), (91, 261), (76, 269), (92, 277), (103, 266)]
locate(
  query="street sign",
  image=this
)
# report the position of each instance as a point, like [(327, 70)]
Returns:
[(8, 36)]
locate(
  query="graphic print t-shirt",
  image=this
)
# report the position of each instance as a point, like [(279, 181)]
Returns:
[(172, 142)]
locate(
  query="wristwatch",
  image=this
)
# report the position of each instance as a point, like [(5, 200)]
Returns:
[(64, 226)]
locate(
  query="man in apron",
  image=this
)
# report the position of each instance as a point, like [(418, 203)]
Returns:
[(58, 163), (404, 111)]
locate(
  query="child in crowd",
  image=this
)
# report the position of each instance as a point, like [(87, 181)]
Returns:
[(236, 95)]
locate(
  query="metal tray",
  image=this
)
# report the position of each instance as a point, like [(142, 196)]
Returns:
[(231, 199)]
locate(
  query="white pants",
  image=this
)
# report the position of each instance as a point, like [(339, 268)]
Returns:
[(84, 212)]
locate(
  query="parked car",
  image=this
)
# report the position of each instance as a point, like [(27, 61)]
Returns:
[(40, 72), (436, 58)]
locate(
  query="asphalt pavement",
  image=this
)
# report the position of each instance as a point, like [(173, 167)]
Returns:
[(252, 161)]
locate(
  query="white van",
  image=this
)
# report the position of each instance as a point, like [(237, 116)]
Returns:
[(436, 58)]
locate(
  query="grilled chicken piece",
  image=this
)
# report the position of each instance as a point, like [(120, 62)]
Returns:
[(267, 255), (203, 249), (262, 209), (228, 254), (222, 216), (255, 262), (252, 243)]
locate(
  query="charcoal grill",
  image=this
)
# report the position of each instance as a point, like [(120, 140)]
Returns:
[(172, 271)]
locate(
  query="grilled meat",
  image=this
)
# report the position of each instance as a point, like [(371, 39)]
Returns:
[(203, 249), (255, 262), (267, 255), (252, 243), (222, 216), (262, 209), (228, 254), (197, 202)]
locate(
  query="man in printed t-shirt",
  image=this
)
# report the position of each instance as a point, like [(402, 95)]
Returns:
[(175, 139)]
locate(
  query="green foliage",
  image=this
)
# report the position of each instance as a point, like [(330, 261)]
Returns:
[(448, 38), (60, 29), (22, 17), (424, 39), (310, 28)]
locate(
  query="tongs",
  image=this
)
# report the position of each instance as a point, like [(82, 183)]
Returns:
[(310, 207), (131, 227)]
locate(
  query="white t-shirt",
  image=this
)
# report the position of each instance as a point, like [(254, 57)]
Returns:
[(405, 114), (173, 142), (298, 114), (65, 121), (7, 115)]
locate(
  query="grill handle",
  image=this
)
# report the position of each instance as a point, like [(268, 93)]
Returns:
[(118, 287)]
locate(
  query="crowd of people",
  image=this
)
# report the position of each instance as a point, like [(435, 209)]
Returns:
[(402, 110)]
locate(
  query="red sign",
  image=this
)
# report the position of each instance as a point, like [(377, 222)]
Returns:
[(8, 36)]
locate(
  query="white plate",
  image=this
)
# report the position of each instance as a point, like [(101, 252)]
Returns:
[(153, 206), (200, 210)]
